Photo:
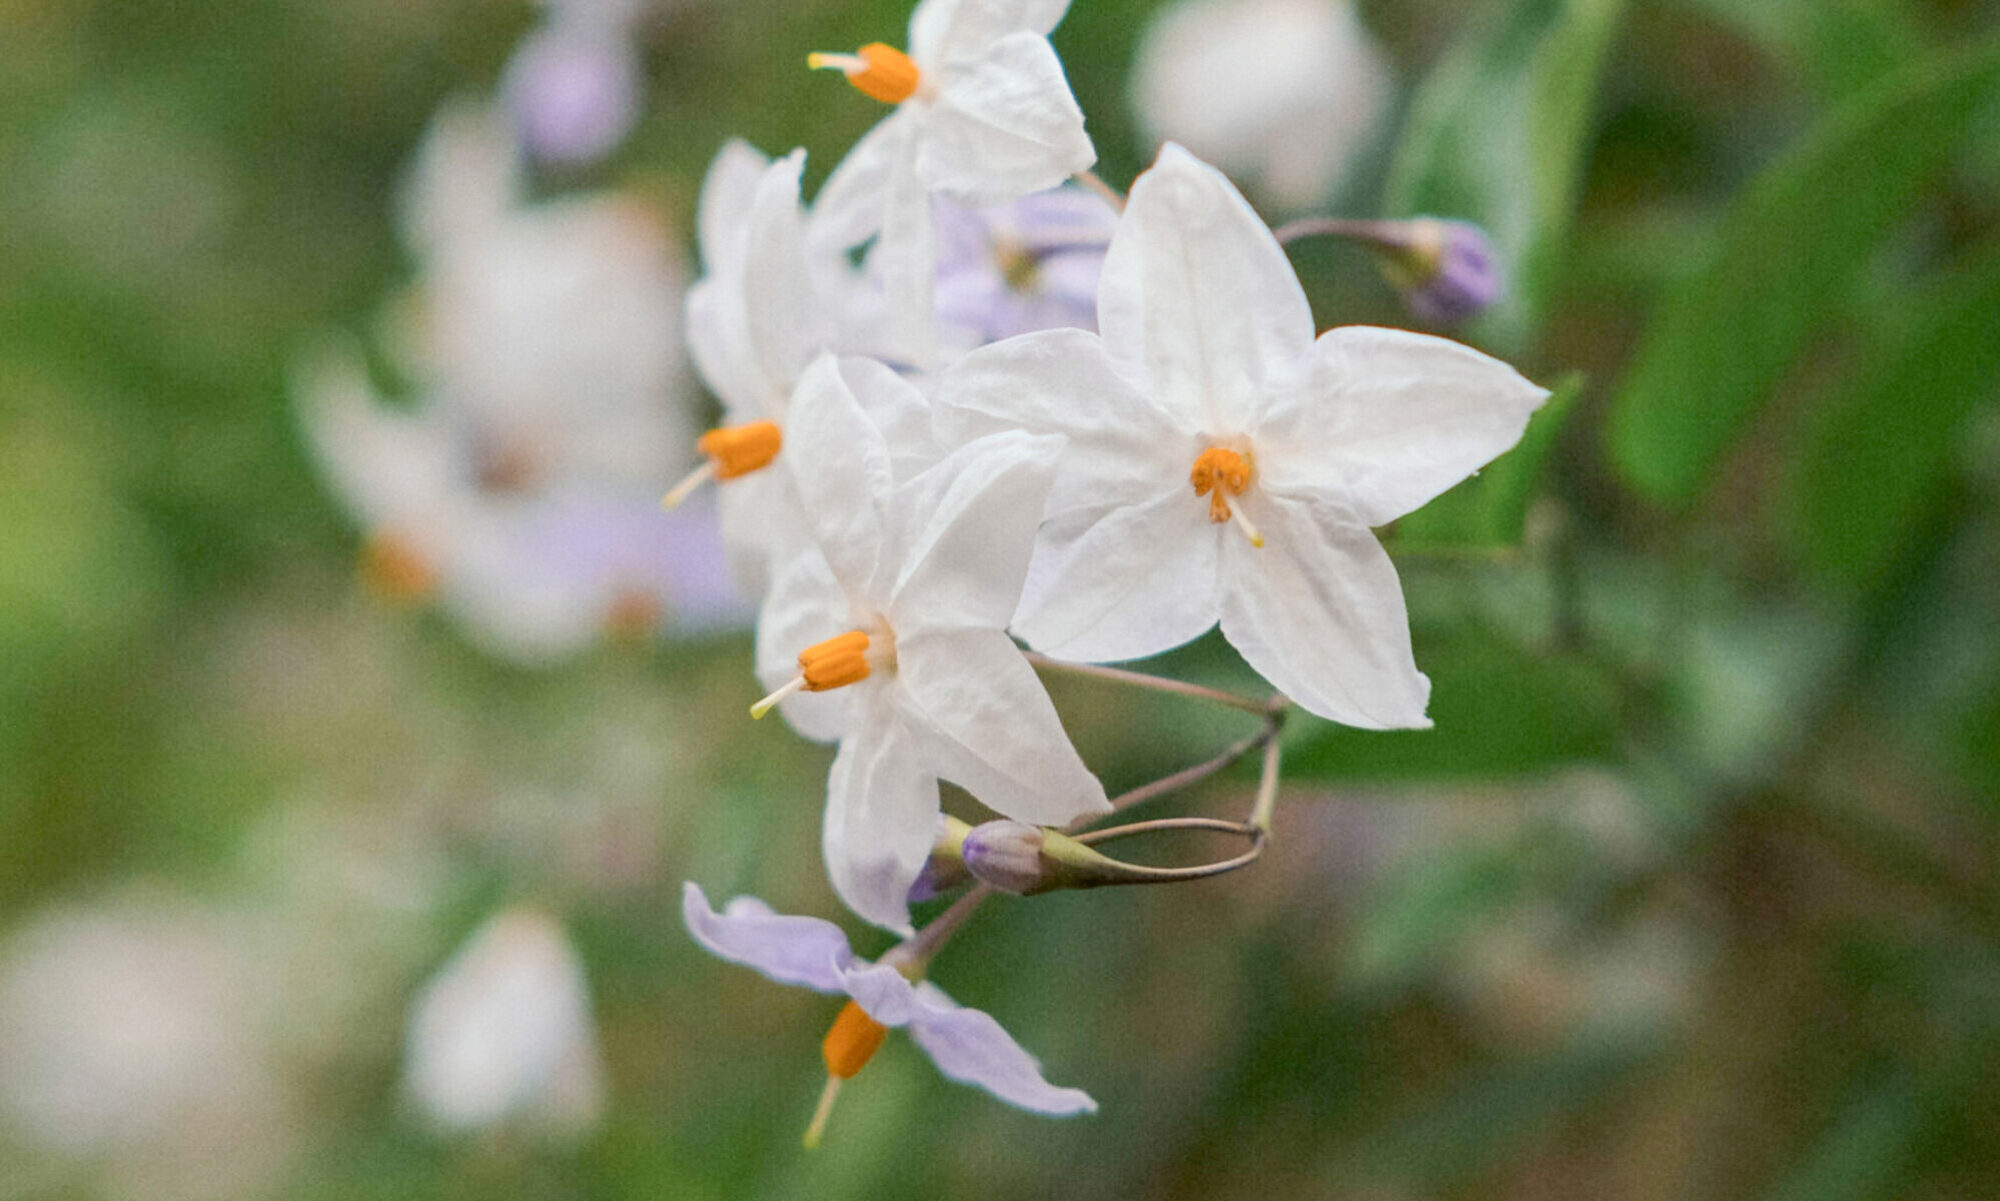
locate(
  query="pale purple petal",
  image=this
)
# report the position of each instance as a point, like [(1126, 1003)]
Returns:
[(969, 1046), (574, 93), (805, 951)]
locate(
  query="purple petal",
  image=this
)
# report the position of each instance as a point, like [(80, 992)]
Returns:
[(791, 950), (969, 1046)]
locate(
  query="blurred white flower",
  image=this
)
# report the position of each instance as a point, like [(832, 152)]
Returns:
[(132, 1033), (503, 1032), (1018, 267), (1280, 94), (521, 488)]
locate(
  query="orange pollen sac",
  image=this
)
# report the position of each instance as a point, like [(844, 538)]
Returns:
[(877, 70), (852, 1042), (835, 662), (394, 571), (1220, 474), (741, 449)]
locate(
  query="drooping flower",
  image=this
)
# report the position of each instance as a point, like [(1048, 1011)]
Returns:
[(1282, 94), (967, 1045), (894, 641), (1018, 267), (983, 115), (503, 1032), (1206, 404)]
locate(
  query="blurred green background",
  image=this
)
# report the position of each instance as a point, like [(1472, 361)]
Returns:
[(1692, 893)]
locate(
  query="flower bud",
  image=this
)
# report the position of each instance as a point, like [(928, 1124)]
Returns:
[(945, 869), (1445, 269), (1006, 854)]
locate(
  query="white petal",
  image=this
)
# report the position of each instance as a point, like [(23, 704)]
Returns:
[(851, 204), (724, 205), (804, 607), (969, 1046), (791, 950), (962, 532), (945, 31), (778, 301), (1126, 582), (719, 339), (896, 408), (1003, 126), (1198, 300), (1318, 611), (1061, 382), (840, 462), (988, 727), (881, 812), (1390, 419), (905, 257), (883, 993)]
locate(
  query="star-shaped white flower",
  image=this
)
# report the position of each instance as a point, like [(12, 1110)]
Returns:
[(906, 618), (983, 115), (755, 320), (1207, 404), (965, 1044)]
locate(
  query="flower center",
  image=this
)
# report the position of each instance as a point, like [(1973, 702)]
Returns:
[(395, 571), (1220, 473), (839, 661), (732, 450), (878, 71), (1020, 267)]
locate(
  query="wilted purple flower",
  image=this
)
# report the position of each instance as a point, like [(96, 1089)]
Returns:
[(965, 1044), (1018, 267)]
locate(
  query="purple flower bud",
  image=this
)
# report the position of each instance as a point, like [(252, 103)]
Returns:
[(1005, 854), (1446, 270), (945, 869)]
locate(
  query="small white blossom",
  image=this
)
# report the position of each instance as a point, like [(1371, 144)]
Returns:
[(1206, 403), (899, 640)]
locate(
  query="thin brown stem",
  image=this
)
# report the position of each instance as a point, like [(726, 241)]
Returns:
[(1188, 776), (1319, 227), (1111, 195), (1139, 679), (1267, 789), (1140, 874), (917, 950)]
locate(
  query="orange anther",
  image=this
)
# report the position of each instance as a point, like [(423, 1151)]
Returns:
[(836, 662), (852, 1041), (1220, 474), (394, 571), (877, 70), (741, 449)]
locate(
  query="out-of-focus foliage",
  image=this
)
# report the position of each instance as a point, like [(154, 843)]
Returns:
[(1689, 894)]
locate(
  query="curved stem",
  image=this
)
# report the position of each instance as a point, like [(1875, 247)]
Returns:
[(1139, 679), (1111, 195), (1167, 875), (1267, 788), (1318, 227)]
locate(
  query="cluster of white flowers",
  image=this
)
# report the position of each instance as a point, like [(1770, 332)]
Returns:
[(1019, 412)]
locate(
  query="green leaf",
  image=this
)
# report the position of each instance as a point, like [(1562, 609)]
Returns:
[(1871, 460), (1787, 256), (1496, 135), (1500, 710), (1490, 510)]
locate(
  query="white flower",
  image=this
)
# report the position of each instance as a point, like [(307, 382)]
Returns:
[(966, 1044), (1280, 93), (1018, 267), (1207, 374), (504, 1032), (521, 488), (983, 114), (908, 622)]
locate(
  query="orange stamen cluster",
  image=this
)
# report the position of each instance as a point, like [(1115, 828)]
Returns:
[(852, 1042), (877, 70), (836, 662), (1220, 474), (741, 449)]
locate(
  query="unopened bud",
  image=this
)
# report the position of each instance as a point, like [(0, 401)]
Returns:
[(1006, 854), (1446, 270), (945, 869)]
